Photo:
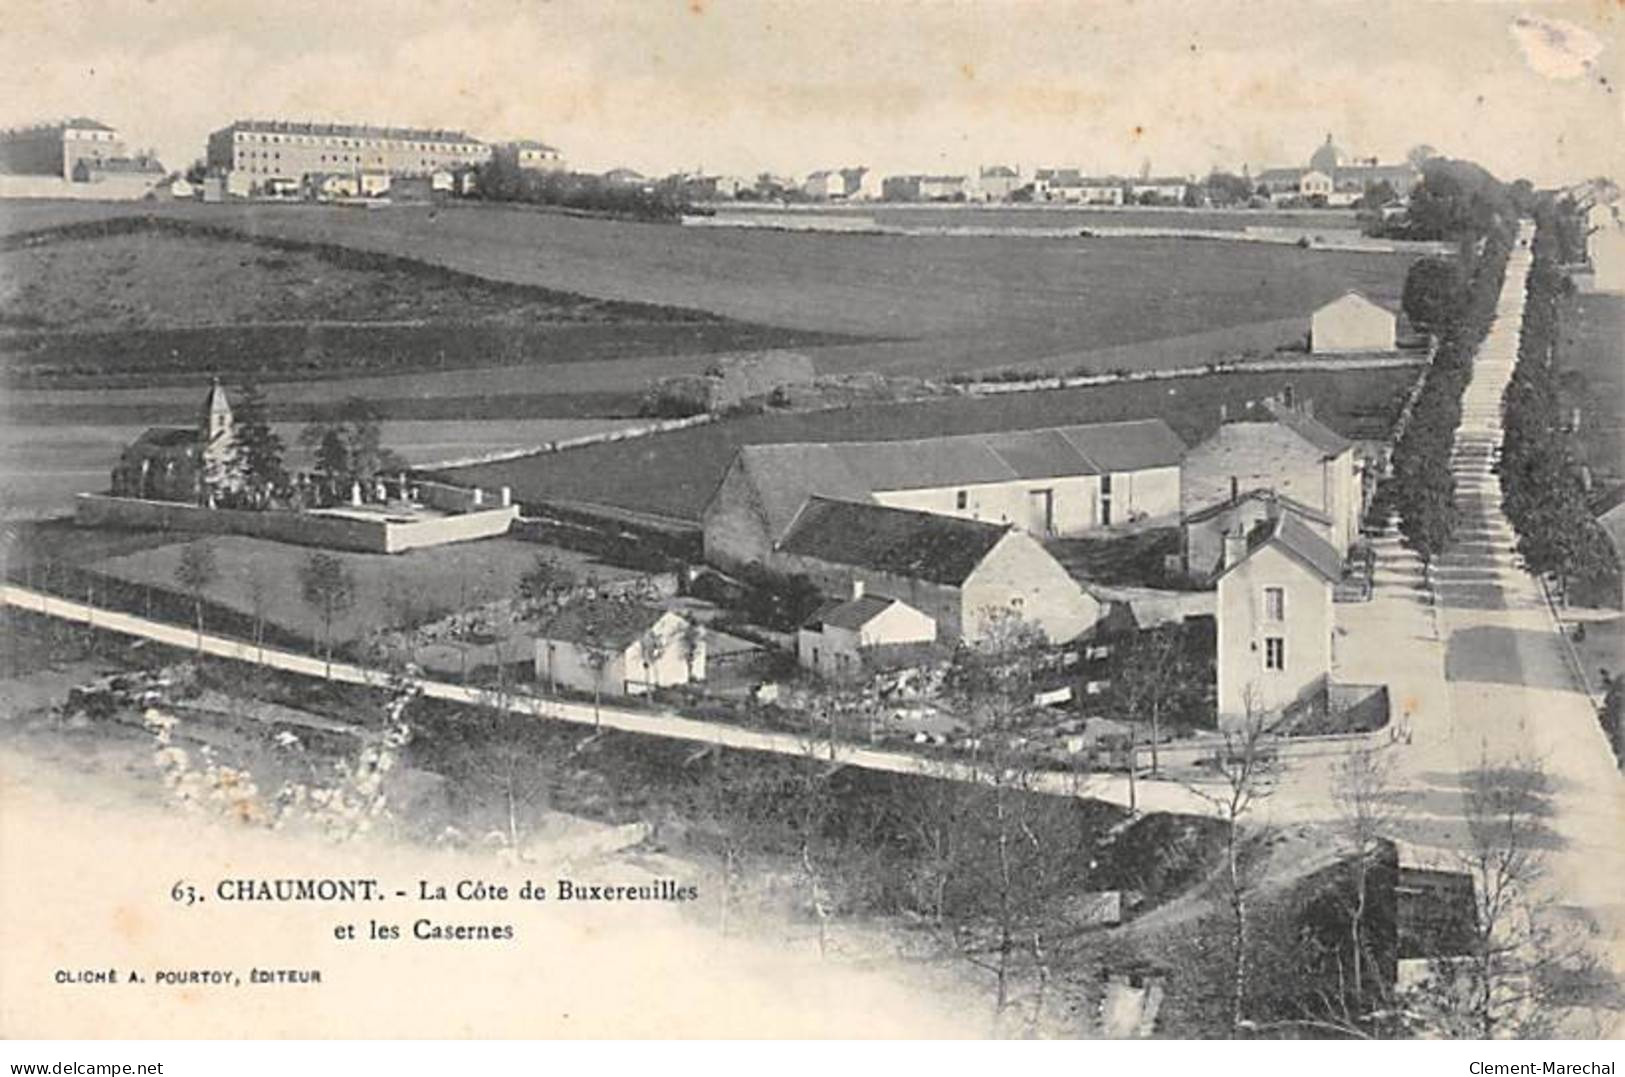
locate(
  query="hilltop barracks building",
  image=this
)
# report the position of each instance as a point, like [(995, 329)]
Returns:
[(291, 150), (55, 149)]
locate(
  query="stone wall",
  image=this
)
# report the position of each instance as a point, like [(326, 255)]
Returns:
[(380, 535)]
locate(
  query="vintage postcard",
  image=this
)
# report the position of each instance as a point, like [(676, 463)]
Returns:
[(757, 519)]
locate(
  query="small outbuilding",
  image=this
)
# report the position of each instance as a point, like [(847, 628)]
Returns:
[(840, 635), (614, 647), (1353, 324)]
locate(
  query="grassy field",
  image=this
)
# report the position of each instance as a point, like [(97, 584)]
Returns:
[(148, 299), (1591, 356), (1060, 293), (674, 474), (427, 583), (154, 278)]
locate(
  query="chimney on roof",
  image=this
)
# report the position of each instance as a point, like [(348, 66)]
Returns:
[(1224, 412), (1308, 406), (1235, 490), (1288, 397), (1235, 545), (857, 588)]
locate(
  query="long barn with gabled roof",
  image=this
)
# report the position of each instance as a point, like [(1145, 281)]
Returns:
[(1053, 482)]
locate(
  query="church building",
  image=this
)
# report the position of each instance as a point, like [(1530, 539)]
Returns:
[(186, 463)]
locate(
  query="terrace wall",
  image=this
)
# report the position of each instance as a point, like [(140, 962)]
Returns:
[(297, 528)]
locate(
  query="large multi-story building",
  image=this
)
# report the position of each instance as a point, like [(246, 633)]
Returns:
[(267, 149), (1339, 179), (56, 149)]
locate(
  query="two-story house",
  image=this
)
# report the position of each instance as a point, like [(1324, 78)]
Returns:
[(1281, 448), (1274, 620)]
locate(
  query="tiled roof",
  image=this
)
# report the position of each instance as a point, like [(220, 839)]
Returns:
[(168, 436), (1357, 298), (852, 613), (1135, 445), (610, 623), (1306, 426), (352, 130), (1294, 536), (1311, 430), (531, 144), (785, 475), (1260, 493), (900, 542)]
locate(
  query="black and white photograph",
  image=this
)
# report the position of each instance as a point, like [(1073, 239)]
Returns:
[(821, 520)]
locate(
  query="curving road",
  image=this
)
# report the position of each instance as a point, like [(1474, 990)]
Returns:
[(1111, 788)]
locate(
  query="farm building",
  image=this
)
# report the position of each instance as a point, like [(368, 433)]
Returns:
[(1060, 481), (1282, 448), (1274, 619), (1205, 531), (840, 635), (1351, 324), (959, 573), (618, 648)]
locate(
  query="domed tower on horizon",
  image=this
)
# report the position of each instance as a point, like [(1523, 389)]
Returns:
[(1328, 158)]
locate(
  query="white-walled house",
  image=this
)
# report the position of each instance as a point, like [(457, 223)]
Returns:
[(835, 640), (1275, 622), (1054, 482), (824, 184), (962, 574), (618, 648), (1205, 530), (1352, 324), (1284, 449)]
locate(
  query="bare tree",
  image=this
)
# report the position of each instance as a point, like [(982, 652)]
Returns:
[(327, 588), (195, 571), (651, 649), (1010, 861), (259, 597), (1153, 678), (690, 643), (1362, 789), (1246, 768), (598, 657), (1517, 977)]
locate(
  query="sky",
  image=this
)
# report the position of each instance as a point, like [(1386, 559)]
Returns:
[(745, 86)]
